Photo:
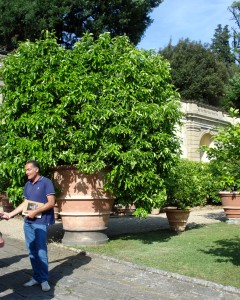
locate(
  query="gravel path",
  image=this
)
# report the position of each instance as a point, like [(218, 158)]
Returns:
[(121, 225)]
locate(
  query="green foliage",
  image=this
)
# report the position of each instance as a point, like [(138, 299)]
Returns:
[(104, 104), (196, 72), (191, 184), (233, 92), (210, 184), (221, 46), (235, 11), (225, 156), (25, 19), (232, 88)]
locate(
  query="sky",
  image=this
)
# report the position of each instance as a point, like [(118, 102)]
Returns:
[(193, 19)]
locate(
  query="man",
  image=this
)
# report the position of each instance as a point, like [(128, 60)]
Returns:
[(40, 190)]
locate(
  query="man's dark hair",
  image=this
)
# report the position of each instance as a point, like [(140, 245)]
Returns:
[(35, 164)]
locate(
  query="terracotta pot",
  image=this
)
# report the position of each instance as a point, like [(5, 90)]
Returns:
[(124, 210), (155, 211), (2, 196), (231, 205), (84, 206), (6, 205), (56, 212), (177, 218)]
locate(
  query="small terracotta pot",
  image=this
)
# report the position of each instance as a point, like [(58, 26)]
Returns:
[(177, 218)]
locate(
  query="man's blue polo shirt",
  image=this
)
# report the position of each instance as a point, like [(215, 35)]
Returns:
[(38, 191)]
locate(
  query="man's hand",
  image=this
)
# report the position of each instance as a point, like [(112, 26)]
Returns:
[(31, 214), (5, 216)]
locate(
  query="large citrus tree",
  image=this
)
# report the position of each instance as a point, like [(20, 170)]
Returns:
[(104, 104)]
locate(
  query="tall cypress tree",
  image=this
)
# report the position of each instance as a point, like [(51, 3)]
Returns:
[(221, 45)]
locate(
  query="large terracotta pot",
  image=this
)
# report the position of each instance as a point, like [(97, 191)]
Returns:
[(231, 205), (84, 206), (177, 218), (56, 212)]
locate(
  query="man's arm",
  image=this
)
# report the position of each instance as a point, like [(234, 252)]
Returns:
[(14, 212)]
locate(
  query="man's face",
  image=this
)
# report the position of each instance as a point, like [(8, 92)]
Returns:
[(31, 171)]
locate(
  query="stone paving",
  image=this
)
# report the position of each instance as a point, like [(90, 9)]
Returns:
[(75, 275)]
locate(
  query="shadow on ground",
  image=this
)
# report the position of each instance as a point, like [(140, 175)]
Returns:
[(225, 251), (11, 283)]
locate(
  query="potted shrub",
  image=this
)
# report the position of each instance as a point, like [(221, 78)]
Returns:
[(185, 189), (227, 175), (225, 164), (105, 105)]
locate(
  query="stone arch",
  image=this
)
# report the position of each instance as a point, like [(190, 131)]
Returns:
[(205, 140), (199, 124)]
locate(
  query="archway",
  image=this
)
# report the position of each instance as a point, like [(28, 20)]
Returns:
[(206, 140)]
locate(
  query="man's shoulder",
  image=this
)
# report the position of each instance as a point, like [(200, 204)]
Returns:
[(48, 184), (45, 179)]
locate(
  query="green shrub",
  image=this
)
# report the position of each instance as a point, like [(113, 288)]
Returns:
[(225, 155), (191, 184), (211, 184)]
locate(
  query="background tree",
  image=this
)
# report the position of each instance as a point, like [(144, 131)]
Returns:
[(222, 50), (235, 11), (233, 92), (196, 72), (25, 19), (221, 45)]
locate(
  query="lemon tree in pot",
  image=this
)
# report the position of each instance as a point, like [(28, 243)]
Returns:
[(105, 105), (225, 164), (185, 190)]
